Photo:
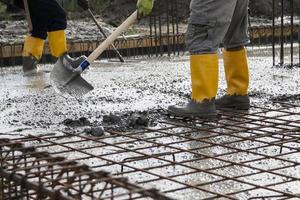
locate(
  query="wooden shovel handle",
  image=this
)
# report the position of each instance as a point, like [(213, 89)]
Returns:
[(104, 45)]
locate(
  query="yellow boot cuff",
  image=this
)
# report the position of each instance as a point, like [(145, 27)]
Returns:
[(237, 72), (204, 74), (33, 47), (57, 43)]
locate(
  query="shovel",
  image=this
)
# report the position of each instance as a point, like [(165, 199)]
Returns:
[(67, 79)]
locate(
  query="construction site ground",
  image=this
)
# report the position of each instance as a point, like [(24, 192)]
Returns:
[(130, 101), (146, 84)]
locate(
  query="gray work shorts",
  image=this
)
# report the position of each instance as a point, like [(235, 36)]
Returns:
[(216, 22)]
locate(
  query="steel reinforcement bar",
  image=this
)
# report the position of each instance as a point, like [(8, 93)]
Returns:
[(29, 174), (136, 46), (240, 155), (11, 54)]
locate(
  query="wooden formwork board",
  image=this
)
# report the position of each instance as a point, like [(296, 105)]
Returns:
[(15, 50)]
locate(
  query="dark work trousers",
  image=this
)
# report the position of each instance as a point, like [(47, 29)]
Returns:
[(46, 16)]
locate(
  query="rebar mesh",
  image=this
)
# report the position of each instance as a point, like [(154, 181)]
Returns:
[(286, 47), (30, 174), (252, 155)]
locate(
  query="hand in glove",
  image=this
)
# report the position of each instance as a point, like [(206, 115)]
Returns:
[(144, 7), (84, 4), (72, 63)]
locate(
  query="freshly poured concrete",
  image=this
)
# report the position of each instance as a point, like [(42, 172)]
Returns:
[(139, 87)]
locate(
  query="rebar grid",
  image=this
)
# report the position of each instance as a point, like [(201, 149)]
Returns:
[(30, 174), (291, 40), (240, 155)]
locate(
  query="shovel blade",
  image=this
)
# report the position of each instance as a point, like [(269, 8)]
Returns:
[(61, 73)]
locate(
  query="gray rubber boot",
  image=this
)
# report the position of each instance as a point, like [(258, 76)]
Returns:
[(205, 109), (233, 102), (30, 66)]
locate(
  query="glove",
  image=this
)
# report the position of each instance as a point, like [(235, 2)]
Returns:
[(84, 4), (71, 64), (144, 7)]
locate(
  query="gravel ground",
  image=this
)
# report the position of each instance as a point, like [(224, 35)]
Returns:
[(15, 31), (126, 96)]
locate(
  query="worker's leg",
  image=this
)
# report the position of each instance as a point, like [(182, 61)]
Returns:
[(56, 34), (34, 41), (56, 29), (49, 16), (208, 24), (32, 52), (46, 16), (235, 61), (57, 37)]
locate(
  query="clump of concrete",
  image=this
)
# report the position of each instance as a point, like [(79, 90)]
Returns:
[(77, 122), (130, 120), (112, 119), (286, 98), (83, 125), (95, 131), (136, 120), (126, 121)]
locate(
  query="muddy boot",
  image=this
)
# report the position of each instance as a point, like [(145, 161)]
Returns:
[(30, 66), (233, 102), (205, 109)]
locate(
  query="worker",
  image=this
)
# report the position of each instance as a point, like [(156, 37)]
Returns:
[(48, 20), (212, 23)]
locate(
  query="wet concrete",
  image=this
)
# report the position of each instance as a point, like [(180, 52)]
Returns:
[(126, 97), (132, 96)]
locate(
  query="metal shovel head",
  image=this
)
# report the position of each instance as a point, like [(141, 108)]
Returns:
[(61, 73)]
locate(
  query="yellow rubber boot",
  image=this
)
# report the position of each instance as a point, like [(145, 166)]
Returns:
[(204, 74), (57, 43), (32, 53), (33, 47), (237, 78), (237, 72)]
